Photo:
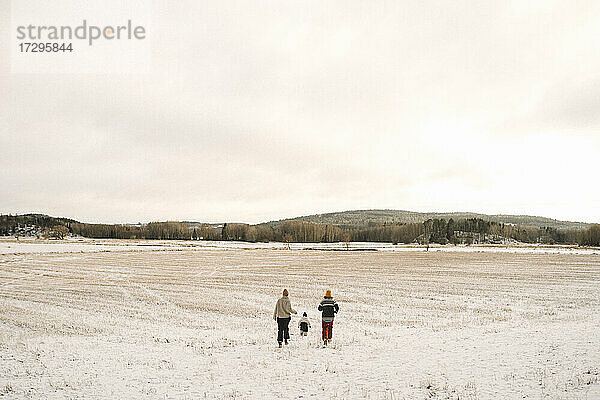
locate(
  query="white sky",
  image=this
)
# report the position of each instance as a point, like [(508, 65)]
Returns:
[(262, 110)]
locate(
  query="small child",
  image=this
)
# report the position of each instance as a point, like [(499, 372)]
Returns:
[(304, 324)]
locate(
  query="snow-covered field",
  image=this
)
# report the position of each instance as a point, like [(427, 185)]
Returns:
[(8, 245), (122, 319)]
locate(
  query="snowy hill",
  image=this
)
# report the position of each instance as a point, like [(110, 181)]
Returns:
[(365, 218)]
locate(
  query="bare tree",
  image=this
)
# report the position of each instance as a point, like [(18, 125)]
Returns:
[(287, 238), (347, 236), (59, 231)]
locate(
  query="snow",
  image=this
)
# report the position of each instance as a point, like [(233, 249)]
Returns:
[(9, 245), (139, 319)]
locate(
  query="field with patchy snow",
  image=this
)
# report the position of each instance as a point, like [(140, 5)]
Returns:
[(117, 319)]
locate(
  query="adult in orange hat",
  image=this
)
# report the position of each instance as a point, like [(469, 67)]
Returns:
[(328, 308)]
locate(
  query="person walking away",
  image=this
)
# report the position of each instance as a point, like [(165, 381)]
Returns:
[(282, 314), (328, 308), (304, 324)]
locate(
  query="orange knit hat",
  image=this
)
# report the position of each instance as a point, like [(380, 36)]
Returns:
[(328, 293)]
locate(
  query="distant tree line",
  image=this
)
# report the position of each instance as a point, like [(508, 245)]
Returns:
[(154, 230), (431, 231), (11, 224), (591, 236), (441, 231)]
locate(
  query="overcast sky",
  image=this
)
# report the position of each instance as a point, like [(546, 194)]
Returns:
[(264, 110)]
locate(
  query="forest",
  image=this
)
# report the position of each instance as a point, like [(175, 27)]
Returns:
[(437, 230)]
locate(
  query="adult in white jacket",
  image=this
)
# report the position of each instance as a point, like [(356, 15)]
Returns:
[(282, 314)]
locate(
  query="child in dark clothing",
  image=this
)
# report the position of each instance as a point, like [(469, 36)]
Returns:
[(304, 324)]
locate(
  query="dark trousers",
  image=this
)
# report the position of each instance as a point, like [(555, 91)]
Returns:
[(283, 329), (327, 330)]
